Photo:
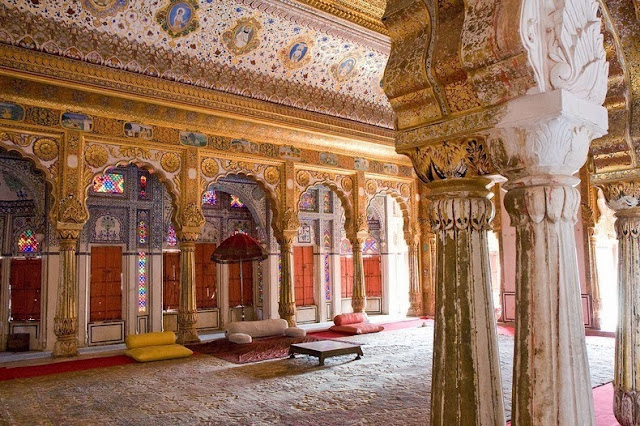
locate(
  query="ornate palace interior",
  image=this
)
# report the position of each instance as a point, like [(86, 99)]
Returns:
[(465, 172)]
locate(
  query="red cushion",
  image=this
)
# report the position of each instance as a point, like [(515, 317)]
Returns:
[(354, 318), (360, 328)]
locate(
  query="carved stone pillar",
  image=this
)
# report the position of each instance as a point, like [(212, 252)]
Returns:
[(359, 297), (624, 199), (466, 388), (187, 310), (542, 141), (65, 324), (287, 305), (415, 292)]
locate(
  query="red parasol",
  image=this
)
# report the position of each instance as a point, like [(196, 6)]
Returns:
[(239, 248)]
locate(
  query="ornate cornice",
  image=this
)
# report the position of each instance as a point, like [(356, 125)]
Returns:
[(361, 12)]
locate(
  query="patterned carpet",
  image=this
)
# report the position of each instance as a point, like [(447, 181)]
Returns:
[(390, 385)]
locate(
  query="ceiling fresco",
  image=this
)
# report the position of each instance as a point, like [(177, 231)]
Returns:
[(272, 51)]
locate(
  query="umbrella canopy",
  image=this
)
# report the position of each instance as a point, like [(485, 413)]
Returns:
[(238, 248)]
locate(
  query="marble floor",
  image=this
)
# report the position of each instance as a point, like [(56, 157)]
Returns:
[(390, 385)]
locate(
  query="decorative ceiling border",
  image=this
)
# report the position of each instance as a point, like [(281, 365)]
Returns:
[(39, 66)]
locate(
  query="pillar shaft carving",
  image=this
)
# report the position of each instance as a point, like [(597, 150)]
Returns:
[(287, 305), (66, 319), (187, 309), (415, 290), (466, 387), (359, 297), (624, 199)]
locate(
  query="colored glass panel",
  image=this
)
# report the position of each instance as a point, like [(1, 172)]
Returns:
[(109, 183), (210, 198), (143, 186), (235, 202), (27, 242), (345, 247), (142, 282), (327, 278), (142, 232), (326, 203), (260, 284), (370, 246), (308, 202), (172, 240)]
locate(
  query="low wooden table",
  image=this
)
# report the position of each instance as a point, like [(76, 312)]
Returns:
[(325, 349)]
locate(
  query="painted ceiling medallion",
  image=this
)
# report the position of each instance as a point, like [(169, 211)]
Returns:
[(297, 54), (178, 18), (102, 8), (345, 69), (243, 37)]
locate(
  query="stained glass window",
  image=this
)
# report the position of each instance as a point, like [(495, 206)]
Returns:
[(235, 202), (27, 242), (172, 240), (327, 278), (109, 183), (370, 246), (260, 284), (210, 198), (142, 232), (345, 247), (142, 282), (308, 202), (326, 203), (143, 186)]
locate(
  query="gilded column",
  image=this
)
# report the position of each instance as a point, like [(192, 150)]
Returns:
[(415, 292), (66, 319), (624, 199), (359, 297), (287, 305), (466, 387), (187, 308), (589, 210)]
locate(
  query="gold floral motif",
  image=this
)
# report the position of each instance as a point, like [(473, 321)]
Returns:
[(192, 216), (272, 175), (405, 190), (45, 149), (347, 184), (302, 177), (209, 167), (170, 162), (96, 156), (371, 186)]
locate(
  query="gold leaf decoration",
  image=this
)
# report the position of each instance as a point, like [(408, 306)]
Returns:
[(209, 167), (271, 175), (347, 184), (96, 156), (405, 191), (371, 186), (302, 178), (170, 162), (45, 149)]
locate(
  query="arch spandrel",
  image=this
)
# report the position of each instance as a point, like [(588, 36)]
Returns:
[(268, 177), (341, 183)]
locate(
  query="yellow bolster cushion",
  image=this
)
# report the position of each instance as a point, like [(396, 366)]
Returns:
[(158, 353), (150, 339)]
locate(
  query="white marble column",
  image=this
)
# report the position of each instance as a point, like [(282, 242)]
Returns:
[(466, 387), (624, 199), (540, 144), (415, 289)]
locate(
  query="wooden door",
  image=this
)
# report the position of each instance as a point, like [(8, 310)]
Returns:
[(206, 294), (105, 294), (372, 276), (170, 280), (26, 286), (303, 264), (235, 291), (346, 274)]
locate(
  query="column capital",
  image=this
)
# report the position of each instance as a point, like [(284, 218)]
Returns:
[(623, 197)]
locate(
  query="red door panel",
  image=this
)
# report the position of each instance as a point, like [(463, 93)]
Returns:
[(25, 285), (170, 280), (206, 297), (234, 284), (372, 276), (303, 264), (105, 293), (346, 273)]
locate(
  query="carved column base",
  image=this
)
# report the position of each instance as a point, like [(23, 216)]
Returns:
[(66, 337), (358, 304), (415, 308), (287, 312), (187, 332), (626, 407)]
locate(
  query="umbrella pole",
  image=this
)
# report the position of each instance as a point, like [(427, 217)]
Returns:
[(241, 290)]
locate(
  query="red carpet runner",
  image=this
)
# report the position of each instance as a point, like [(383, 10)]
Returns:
[(62, 367)]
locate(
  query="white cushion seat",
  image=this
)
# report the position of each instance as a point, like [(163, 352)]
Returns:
[(240, 338), (295, 332)]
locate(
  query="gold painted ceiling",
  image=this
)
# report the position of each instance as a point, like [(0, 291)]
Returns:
[(279, 51)]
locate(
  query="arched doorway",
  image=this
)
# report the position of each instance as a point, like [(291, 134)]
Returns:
[(25, 241)]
